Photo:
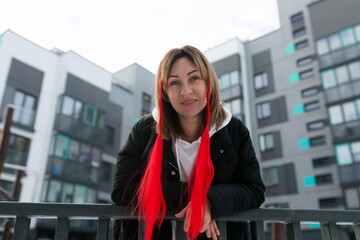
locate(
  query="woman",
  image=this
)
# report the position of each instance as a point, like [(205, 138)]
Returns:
[(190, 156)]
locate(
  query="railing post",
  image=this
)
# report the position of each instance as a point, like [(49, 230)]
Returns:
[(260, 234), (357, 231), (293, 231), (62, 228), (180, 234), (222, 229), (21, 229), (102, 229), (329, 231)]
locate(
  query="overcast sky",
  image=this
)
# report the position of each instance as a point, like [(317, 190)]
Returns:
[(116, 33)]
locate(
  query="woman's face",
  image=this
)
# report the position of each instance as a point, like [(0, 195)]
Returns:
[(185, 89)]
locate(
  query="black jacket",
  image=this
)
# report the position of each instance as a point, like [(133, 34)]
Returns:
[(236, 186)]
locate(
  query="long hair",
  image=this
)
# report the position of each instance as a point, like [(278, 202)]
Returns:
[(151, 203)]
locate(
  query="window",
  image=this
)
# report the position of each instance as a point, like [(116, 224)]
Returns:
[(346, 112), (355, 150), (349, 111), (297, 17), (74, 150), (260, 80), (54, 191), (304, 61), (310, 92), (347, 36), (234, 106), (263, 110), (78, 108), (321, 162), (87, 113), (322, 46), (343, 154), (323, 179), (84, 153), (306, 74), (357, 32), (67, 193), (328, 79), (61, 148), (334, 42), (266, 142), (342, 75), (301, 45), (110, 135), (67, 106), (146, 103), (228, 80), (100, 120), (90, 112), (234, 78), (270, 176), (328, 202), (352, 198), (18, 150), (80, 194), (105, 172), (316, 125), (299, 33), (24, 108), (354, 70), (95, 157), (311, 106), (317, 141), (336, 116)]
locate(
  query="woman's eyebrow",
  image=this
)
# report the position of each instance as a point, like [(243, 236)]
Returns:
[(195, 70)]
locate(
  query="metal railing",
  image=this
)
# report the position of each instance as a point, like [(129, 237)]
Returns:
[(63, 213)]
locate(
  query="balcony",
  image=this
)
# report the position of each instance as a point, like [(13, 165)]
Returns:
[(347, 131), (78, 129), (332, 222), (73, 171)]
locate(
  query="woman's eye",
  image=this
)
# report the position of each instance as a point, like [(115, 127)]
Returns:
[(173, 83), (194, 78)]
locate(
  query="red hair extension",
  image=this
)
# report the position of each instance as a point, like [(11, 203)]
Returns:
[(201, 179), (151, 202)]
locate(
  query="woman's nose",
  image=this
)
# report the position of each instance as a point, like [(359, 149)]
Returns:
[(185, 89)]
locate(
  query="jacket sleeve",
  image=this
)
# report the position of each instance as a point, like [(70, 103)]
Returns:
[(246, 191), (129, 167)]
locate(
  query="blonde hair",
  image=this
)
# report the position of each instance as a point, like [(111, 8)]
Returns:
[(170, 125)]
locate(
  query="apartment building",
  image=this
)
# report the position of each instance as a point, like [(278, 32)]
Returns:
[(299, 93), (70, 119)]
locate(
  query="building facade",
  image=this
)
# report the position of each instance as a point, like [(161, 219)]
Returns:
[(300, 89), (70, 119)]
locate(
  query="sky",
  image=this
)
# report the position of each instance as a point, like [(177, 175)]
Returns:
[(114, 34)]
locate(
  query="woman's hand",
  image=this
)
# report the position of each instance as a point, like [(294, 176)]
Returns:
[(212, 230), (209, 226)]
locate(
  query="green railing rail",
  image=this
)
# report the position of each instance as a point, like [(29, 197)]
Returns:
[(329, 220)]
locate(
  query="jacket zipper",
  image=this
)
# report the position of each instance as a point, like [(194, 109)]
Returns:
[(174, 167)]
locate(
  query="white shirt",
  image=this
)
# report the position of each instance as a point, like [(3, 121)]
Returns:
[(185, 152)]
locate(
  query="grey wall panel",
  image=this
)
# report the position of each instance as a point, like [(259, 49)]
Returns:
[(80, 89), (277, 152), (331, 16), (25, 78), (278, 113), (228, 64), (262, 63)]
